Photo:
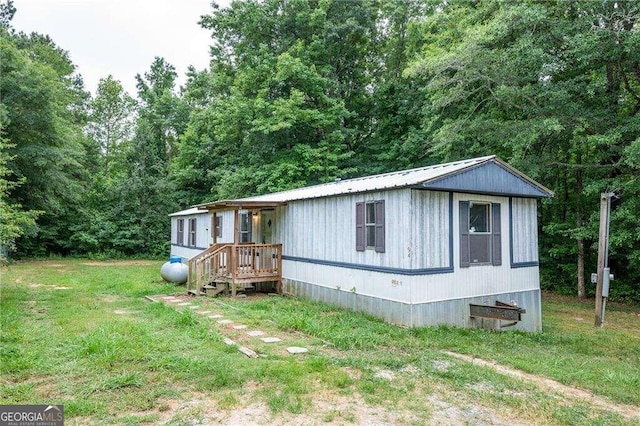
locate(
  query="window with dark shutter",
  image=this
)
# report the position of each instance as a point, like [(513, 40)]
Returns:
[(370, 227), (360, 244)]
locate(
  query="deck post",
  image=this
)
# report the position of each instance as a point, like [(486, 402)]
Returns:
[(279, 266), (234, 266), (198, 275)]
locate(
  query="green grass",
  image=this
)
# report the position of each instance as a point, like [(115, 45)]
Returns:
[(80, 333)]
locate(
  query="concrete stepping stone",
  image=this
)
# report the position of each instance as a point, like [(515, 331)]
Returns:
[(239, 327), (168, 298), (297, 350), (203, 312), (228, 341), (271, 339), (173, 300), (184, 304), (255, 333), (224, 322), (194, 307), (248, 352), (216, 316)]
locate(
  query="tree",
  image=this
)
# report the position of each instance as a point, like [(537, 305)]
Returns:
[(14, 221), (549, 86), (111, 119), (43, 107)]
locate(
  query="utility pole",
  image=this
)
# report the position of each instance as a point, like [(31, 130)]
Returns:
[(603, 277)]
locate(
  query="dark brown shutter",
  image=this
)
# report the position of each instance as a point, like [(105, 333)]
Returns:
[(360, 226), (496, 242), (380, 243), (214, 222), (465, 261)]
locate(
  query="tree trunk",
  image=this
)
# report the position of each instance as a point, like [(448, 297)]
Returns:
[(581, 286)]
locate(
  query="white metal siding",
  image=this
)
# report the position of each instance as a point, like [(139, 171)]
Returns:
[(525, 230), (324, 229), (465, 282), (417, 237), (227, 226), (203, 234), (428, 239)]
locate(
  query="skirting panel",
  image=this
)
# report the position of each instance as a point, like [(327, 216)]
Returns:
[(449, 312)]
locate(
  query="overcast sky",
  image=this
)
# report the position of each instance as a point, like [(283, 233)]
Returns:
[(121, 37)]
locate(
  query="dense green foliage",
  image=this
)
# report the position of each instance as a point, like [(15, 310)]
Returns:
[(303, 91)]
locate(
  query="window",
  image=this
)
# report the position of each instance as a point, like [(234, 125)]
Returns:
[(480, 236), (217, 228), (180, 237), (245, 227), (370, 229), (370, 224), (479, 218), (192, 232)]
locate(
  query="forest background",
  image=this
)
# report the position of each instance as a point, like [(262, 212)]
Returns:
[(301, 92)]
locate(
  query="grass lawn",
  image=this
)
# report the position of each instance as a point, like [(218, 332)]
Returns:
[(81, 333)]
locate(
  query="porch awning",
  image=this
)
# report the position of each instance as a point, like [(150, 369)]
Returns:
[(239, 205)]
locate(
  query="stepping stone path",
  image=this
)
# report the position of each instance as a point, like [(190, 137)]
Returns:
[(221, 321)]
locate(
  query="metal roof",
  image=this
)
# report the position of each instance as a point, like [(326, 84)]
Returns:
[(401, 179), (188, 212)]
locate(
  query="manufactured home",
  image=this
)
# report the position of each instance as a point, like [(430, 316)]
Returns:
[(452, 243)]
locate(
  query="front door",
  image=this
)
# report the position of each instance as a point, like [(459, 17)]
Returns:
[(266, 226)]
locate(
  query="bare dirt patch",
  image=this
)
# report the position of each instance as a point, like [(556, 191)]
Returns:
[(122, 263), (48, 286), (125, 312), (327, 407), (566, 392)]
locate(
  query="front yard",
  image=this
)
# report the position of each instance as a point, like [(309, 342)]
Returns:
[(82, 334)]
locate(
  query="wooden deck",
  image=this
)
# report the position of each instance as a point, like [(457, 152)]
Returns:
[(229, 267)]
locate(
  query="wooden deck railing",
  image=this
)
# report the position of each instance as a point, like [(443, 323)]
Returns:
[(236, 264), (208, 265)]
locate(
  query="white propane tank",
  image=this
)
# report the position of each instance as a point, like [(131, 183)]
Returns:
[(174, 271)]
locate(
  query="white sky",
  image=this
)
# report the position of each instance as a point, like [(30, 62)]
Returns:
[(121, 37)]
